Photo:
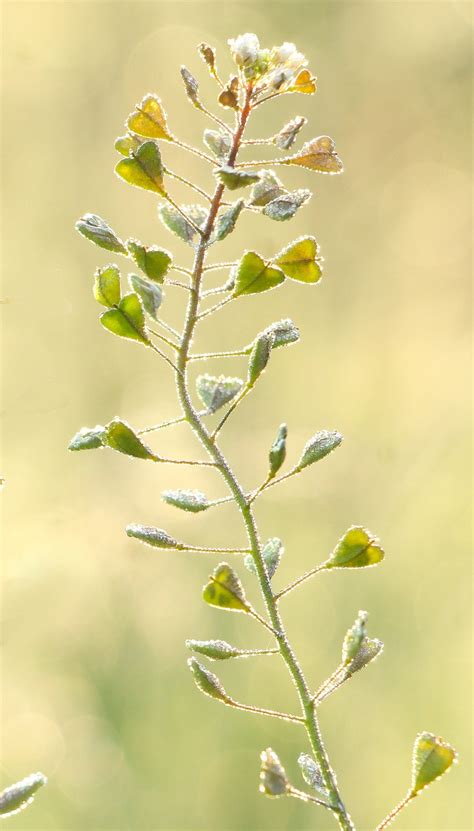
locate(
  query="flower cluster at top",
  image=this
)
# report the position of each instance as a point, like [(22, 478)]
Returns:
[(277, 70)]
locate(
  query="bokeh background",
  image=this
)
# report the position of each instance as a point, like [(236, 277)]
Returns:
[(96, 692)]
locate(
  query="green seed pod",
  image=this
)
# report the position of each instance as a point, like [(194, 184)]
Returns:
[(207, 682), (259, 357), (277, 453)]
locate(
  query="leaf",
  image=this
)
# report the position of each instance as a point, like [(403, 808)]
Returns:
[(357, 548), (155, 537), (176, 223), (285, 206), (225, 590), (313, 777), (16, 797), (127, 320), (120, 436), (95, 229), (300, 260), (284, 333), (207, 682), (216, 650), (277, 454), (432, 757), (149, 119), (143, 168), (227, 219), (304, 82), (287, 135), (218, 142), (88, 438), (259, 357), (151, 295), (254, 275), (208, 54), (318, 447), (153, 261), (193, 501), (273, 778), (214, 392), (266, 189), (369, 650), (319, 154), (272, 552), (354, 637), (235, 179), (126, 144), (191, 86), (107, 285)]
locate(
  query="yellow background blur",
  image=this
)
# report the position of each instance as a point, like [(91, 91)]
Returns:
[(96, 692)]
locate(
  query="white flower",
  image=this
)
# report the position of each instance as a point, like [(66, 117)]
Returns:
[(288, 55), (245, 49)]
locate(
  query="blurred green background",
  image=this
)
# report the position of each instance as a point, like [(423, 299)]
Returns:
[(96, 692)]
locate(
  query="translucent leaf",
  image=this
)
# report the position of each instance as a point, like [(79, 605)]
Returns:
[(128, 143), (151, 295), (155, 537), (266, 189), (143, 168), (259, 357), (272, 552), (127, 320), (153, 261), (88, 438), (227, 219), (191, 86), (225, 590), (285, 206), (312, 775), (357, 548), (96, 230), (300, 260), (432, 757), (219, 142), (149, 119), (277, 454), (235, 179), (354, 637), (193, 501), (208, 54), (176, 223), (229, 96), (18, 796), (214, 392), (254, 275), (287, 135), (304, 82), (207, 682), (284, 332), (319, 446), (216, 650), (318, 154), (107, 285), (120, 436), (369, 649), (273, 778)]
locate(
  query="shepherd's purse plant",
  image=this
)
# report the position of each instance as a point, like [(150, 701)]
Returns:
[(259, 76)]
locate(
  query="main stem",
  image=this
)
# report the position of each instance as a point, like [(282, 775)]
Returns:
[(215, 453)]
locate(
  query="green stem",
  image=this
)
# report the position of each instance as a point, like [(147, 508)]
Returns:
[(241, 499), (398, 808)]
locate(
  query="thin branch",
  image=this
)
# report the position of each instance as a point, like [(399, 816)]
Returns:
[(254, 614), (181, 269), (273, 482), (178, 420), (240, 397), (217, 266), (164, 338), (217, 290), (189, 184), (204, 549), (206, 355), (165, 357), (184, 215), (398, 808), (258, 141), (196, 152), (168, 328), (185, 462), (264, 712), (306, 797), (178, 285), (215, 308), (221, 501), (300, 580), (330, 684)]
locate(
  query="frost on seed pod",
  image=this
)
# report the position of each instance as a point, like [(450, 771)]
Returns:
[(216, 650), (207, 682), (155, 537), (273, 778), (193, 501), (18, 796), (277, 453)]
